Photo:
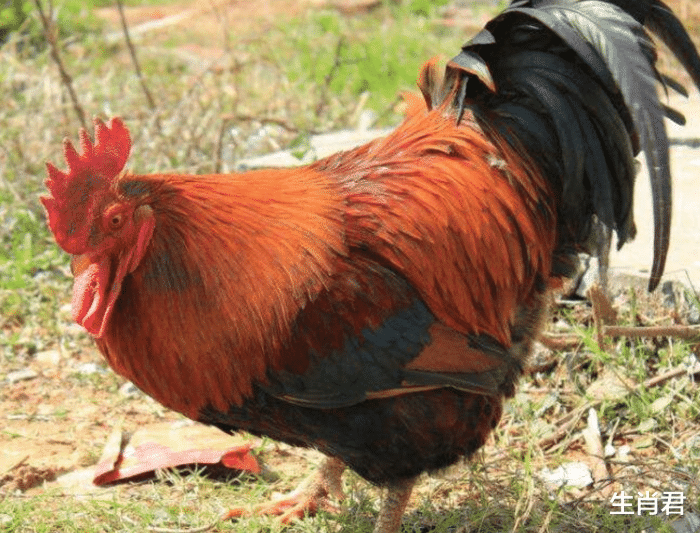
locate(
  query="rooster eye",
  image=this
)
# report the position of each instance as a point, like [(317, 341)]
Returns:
[(115, 221)]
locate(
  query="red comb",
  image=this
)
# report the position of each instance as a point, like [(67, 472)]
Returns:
[(89, 172)]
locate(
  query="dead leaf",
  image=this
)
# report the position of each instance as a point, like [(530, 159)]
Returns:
[(166, 445), (609, 386)]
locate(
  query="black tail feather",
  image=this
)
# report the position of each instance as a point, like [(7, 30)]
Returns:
[(581, 73), (662, 22)]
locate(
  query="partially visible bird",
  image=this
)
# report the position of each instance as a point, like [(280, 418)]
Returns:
[(379, 304)]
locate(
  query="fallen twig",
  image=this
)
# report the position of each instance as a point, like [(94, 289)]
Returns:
[(594, 446), (564, 425), (691, 142), (603, 312), (673, 373), (570, 419), (201, 529), (559, 342), (681, 332)]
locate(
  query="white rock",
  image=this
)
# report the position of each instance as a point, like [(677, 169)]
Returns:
[(48, 358), (89, 368), (21, 375), (574, 474), (623, 452), (320, 146), (129, 390)]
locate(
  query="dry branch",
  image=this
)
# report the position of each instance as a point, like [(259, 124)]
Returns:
[(328, 78), (603, 312), (681, 332), (134, 59), (50, 33), (566, 423)]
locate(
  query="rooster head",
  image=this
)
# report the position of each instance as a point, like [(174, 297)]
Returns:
[(106, 233)]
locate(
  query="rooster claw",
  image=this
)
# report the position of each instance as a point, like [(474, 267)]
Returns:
[(290, 508), (306, 500)]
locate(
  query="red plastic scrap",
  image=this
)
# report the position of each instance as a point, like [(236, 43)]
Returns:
[(149, 457)]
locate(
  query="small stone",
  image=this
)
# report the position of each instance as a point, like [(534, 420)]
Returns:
[(87, 369), (574, 474), (690, 523), (623, 453), (48, 358), (21, 375), (693, 316), (609, 450), (646, 425), (129, 390)]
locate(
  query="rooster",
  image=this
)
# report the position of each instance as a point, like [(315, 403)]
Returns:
[(379, 304)]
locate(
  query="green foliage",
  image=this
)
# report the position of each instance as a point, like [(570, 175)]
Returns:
[(73, 18), (25, 246), (12, 14), (378, 55), (424, 8)]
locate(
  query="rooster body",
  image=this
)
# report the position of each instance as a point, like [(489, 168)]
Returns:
[(379, 304), (352, 342)]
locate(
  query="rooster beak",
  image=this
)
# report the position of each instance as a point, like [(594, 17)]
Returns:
[(90, 292)]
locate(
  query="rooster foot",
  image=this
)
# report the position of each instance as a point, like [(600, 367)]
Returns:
[(312, 495)]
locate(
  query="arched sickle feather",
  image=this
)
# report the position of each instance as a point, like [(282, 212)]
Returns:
[(661, 21)]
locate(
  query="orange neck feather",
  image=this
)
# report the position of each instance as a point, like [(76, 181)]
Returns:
[(232, 260)]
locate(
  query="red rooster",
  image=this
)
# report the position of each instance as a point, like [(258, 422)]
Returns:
[(379, 304)]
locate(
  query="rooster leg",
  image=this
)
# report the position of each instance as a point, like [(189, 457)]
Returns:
[(393, 505), (311, 495)]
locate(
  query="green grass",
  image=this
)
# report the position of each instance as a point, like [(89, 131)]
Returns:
[(339, 56)]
